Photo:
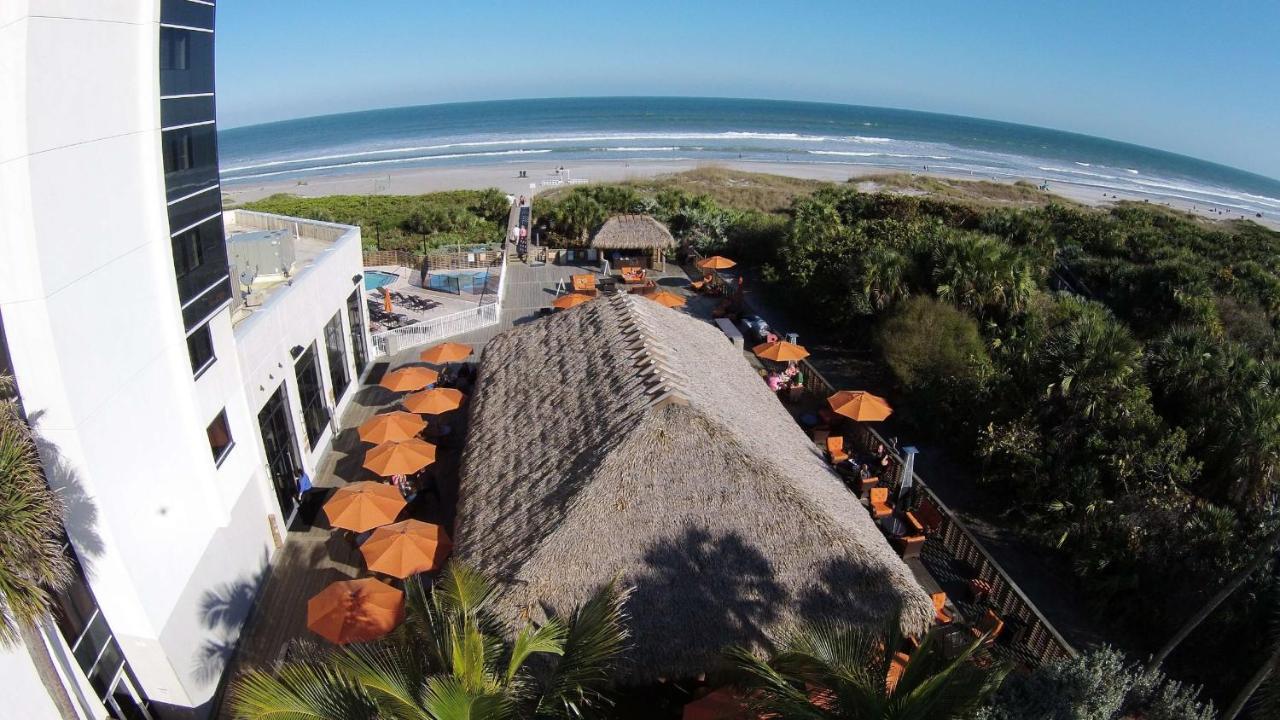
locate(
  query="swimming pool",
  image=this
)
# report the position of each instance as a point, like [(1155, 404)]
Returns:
[(474, 282), (374, 279)]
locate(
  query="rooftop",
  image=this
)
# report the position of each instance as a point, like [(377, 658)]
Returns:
[(632, 232)]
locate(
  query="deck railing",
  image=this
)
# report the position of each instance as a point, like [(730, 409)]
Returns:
[(1036, 638)]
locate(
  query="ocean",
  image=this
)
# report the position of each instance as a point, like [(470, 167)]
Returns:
[(557, 132)]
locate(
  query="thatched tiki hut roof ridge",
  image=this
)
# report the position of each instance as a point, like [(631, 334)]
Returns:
[(633, 232), (627, 439)]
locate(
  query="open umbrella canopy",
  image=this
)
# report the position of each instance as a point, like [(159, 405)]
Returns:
[(780, 351), (350, 611), (434, 401), (860, 405), (363, 506), (400, 457), (409, 378), (445, 352), (564, 302), (720, 704), (716, 262), (406, 548), (397, 425), (664, 298)]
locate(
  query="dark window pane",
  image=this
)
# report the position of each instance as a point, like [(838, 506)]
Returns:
[(200, 309), (186, 62), (186, 110), (91, 643), (182, 12), (200, 348), (190, 160), (337, 350), (199, 259), (219, 437), (275, 422), (186, 213), (356, 319), (187, 252), (315, 412)]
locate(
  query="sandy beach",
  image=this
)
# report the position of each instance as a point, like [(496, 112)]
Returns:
[(505, 176)]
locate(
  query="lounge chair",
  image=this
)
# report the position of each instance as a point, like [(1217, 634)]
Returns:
[(835, 449), (990, 625), (939, 608), (880, 506)]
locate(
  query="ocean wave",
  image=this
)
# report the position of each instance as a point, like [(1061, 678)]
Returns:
[(852, 153), (636, 148), (419, 158)]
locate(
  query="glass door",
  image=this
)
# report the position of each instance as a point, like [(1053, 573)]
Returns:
[(282, 451)]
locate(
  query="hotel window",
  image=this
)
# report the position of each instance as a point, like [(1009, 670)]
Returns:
[(315, 414), (188, 252), (337, 351), (175, 49), (179, 150), (200, 349), (356, 320), (220, 438)]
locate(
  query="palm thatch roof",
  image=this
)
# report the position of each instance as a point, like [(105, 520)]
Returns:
[(625, 439), (632, 232)]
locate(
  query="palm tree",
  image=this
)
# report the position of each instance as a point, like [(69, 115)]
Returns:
[(32, 564), (832, 670), (451, 659), (1267, 677)]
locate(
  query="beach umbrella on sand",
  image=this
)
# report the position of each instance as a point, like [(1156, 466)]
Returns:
[(860, 405), (662, 297), (780, 351), (446, 352), (434, 401), (406, 548), (720, 704), (397, 425), (400, 458), (716, 262), (350, 611), (409, 378), (564, 302), (363, 506)]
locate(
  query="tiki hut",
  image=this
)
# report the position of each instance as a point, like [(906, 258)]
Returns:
[(638, 238), (627, 440)]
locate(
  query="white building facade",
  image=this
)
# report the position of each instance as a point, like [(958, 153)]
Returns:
[(175, 424)]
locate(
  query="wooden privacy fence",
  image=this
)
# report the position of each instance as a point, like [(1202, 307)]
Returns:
[(1037, 639), (398, 258)]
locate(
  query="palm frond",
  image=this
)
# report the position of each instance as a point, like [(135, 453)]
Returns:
[(549, 638), (597, 635), (393, 674), (301, 691), (448, 698)]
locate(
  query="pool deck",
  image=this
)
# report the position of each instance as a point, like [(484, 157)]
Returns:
[(430, 303)]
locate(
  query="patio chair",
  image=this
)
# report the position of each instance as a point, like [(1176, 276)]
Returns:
[(584, 283), (990, 625), (880, 506), (917, 528), (928, 517), (835, 449), (939, 608), (820, 436), (633, 275), (909, 546), (866, 484)]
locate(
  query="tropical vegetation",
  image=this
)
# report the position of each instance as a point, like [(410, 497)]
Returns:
[(837, 670), (415, 223), (32, 564), (452, 659)]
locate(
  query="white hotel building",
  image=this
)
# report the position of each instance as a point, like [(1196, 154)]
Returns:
[(174, 406)]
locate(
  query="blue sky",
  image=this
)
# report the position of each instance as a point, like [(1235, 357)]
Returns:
[(1201, 79)]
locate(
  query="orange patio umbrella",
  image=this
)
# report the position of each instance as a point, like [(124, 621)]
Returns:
[(564, 302), (664, 298), (434, 401), (386, 300), (350, 611), (860, 405), (446, 352), (780, 351), (409, 378), (720, 704), (397, 425), (363, 506), (716, 262), (406, 548), (400, 457)]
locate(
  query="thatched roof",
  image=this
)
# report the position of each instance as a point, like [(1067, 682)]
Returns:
[(632, 232), (622, 438)]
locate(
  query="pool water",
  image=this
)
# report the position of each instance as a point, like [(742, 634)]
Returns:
[(374, 279)]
